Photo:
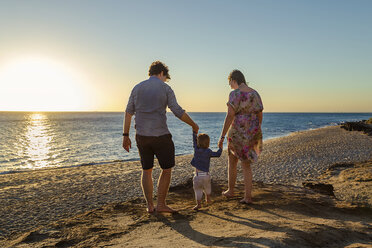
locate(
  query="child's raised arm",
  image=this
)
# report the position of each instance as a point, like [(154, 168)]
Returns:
[(194, 137), (216, 154)]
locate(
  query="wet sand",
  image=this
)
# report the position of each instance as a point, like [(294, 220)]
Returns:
[(35, 199)]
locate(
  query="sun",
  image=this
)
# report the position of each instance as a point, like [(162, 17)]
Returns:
[(40, 84)]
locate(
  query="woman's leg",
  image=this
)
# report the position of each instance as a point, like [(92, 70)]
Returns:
[(233, 161), (247, 173)]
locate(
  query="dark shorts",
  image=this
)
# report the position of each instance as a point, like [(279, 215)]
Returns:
[(162, 147)]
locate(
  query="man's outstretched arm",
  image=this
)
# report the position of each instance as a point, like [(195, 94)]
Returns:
[(178, 111), (187, 119)]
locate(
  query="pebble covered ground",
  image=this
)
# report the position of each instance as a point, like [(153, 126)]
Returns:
[(35, 198)]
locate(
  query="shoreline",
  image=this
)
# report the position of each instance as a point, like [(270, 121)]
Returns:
[(39, 197), (138, 159)]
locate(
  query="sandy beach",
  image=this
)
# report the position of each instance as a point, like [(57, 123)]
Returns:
[(101, 205), (83, 82)]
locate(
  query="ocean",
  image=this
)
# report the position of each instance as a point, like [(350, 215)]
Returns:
[(31, 141)]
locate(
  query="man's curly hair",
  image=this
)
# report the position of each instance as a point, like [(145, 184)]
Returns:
[(157, 67)]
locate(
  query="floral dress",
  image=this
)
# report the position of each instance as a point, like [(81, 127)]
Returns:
[(245, 135)]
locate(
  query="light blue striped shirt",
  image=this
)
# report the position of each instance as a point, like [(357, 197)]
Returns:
[(148, 102)]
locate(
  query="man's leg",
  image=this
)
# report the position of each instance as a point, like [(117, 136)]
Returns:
[(147, 188), (147, 161), (163, 186), (164, 151)]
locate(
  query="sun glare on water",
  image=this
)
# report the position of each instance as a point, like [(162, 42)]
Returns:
[(40, 84), (38, 141)]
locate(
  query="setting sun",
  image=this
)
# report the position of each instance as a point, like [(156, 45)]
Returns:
[(40, 84)]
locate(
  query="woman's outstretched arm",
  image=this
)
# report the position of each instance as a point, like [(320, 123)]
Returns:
[(226, 125)]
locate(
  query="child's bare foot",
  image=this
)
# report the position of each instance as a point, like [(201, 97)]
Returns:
[(197, 206), (165, 209), (228, 194), (208, 199), (150, 209)]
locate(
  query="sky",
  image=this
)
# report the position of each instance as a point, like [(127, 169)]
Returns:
[(301, 56)]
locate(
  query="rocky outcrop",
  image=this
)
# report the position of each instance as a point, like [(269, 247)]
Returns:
[(350, 182), (358, 126), (323, 188)]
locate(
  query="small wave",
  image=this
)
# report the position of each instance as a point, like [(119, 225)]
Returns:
[(108, 162), (13, 172), (68, 166), (283, 134)]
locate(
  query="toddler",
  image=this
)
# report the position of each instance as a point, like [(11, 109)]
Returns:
[(201, 162)]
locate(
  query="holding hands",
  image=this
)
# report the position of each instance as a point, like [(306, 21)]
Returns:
[(195, 128), (220, 142)]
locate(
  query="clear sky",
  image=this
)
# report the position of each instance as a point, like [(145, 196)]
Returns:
[(301, 56)]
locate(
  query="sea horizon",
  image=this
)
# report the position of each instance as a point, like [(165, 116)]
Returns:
[(36, 140), (99, 111)]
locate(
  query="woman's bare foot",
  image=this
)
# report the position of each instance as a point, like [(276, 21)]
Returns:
[(197, 206), (165, 209), (228, 194), (246, 201)]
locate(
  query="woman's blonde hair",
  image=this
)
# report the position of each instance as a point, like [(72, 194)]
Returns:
[(203, 140)]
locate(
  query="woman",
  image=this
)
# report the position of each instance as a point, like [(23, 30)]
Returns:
[(244, 115)]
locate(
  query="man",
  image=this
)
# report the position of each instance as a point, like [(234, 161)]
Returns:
[(148, 102)]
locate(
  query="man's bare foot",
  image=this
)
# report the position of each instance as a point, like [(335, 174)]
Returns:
[(228, 194), (196, 207), (247, 201), (165, 209)]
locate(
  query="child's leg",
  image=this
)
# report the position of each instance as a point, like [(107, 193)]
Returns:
[(207, 189), (198, 189), (197, 206)]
